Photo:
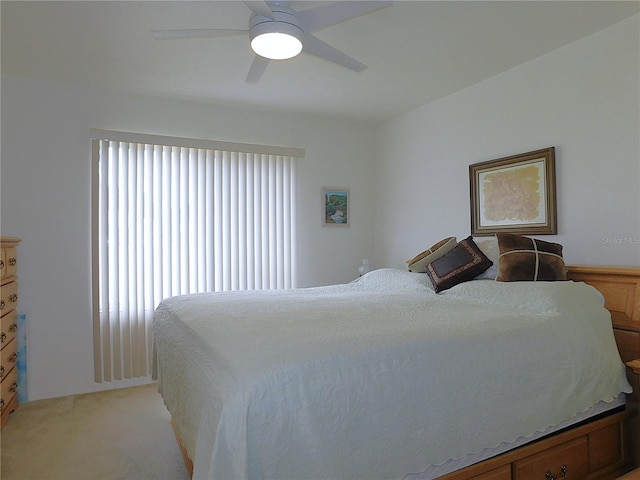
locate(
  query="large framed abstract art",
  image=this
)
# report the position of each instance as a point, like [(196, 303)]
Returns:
[(515, 194)]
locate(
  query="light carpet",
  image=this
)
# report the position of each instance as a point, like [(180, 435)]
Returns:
[(116, 434)]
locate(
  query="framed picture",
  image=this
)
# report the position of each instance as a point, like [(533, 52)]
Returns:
[(335, 207), (514, 194)]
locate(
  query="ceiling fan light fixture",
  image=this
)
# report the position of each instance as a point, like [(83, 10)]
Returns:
[(278, 37), (276, 45)]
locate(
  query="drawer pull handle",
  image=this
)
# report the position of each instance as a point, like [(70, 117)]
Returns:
[(550, 476), (1, 304), (13, 358), (13, 327), (12, 261), (13, 297), (3, 337), (1, 263), (14, 387), (1, 371), (1, 405)]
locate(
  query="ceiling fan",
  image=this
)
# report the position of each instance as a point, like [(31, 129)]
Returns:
[(277, 32)]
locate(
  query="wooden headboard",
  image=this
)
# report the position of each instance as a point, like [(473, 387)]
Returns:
[(620, 287)]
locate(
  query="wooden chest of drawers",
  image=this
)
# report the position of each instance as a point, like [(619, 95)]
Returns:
[(8, 322)]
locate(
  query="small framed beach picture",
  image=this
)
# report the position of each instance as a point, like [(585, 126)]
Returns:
[(335, 207)]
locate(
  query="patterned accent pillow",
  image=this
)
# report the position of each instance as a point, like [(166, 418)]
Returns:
[(465, 262), (418, 264), (524, 259)]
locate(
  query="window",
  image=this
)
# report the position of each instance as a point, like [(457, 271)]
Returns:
[(176, 216)]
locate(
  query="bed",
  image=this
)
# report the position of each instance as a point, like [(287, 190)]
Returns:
[(385, 378)]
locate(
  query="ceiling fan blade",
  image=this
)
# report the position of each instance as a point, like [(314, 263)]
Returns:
[(195, 33), (317, 47), (257, 68), (259, 7), (320, 17)]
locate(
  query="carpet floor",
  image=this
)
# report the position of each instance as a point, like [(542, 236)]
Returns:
[(117, 434)]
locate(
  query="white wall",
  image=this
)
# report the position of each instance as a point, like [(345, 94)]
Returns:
[(46, 202), (584, 99)]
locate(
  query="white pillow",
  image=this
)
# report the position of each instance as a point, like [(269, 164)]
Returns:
[(489, 246), (392, 279)]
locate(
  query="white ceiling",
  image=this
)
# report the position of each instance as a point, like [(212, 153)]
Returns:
[(416, 51)]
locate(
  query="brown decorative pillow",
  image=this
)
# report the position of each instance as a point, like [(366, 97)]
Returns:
[(419, 263), (525, 259), (465, 262)]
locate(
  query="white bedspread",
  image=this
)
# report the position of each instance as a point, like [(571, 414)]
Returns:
[(380, 377)]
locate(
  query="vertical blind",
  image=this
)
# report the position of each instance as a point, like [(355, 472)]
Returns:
[(173, 216)]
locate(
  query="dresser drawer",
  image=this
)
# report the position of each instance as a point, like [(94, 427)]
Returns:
[(8, 328), (8, 261), (502, 473), (9, 358), (8, 324), (8, 297), (9, 388), (572, 455), (606, 447)]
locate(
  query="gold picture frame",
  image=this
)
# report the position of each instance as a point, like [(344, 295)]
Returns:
[(515, 194)]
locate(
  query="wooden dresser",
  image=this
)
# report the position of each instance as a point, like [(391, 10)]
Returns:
[(9, 321)]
